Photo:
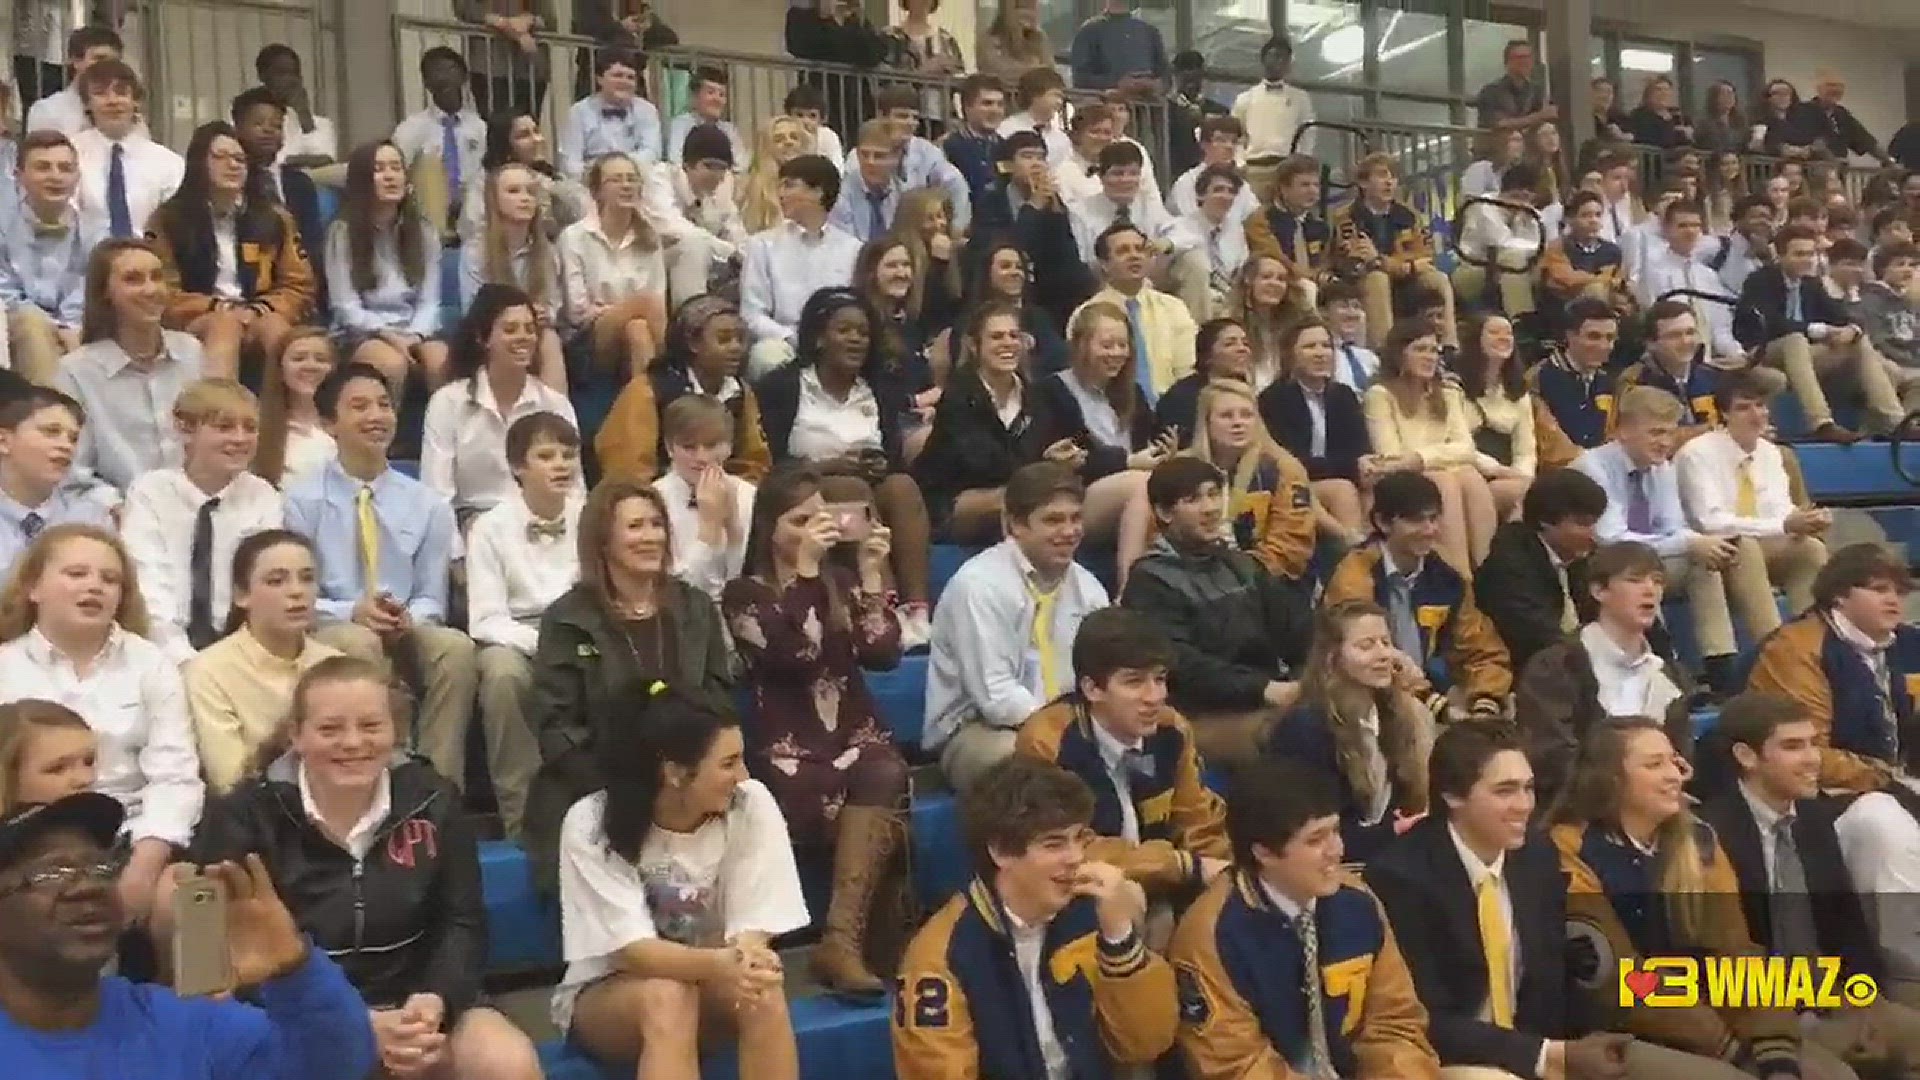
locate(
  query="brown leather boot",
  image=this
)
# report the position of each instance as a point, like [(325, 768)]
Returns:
[(863, 852)]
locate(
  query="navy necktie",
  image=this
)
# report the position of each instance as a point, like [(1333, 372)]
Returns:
[(1355, 368), (31, 525), (119, 213), (200, 628), (877, 211)]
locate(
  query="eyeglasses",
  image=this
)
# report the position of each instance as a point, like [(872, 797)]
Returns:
[(61, 879)]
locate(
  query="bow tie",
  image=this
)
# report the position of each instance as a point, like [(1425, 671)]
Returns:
[(613, 114), (1139, 763), (546, 530), (55, 231)]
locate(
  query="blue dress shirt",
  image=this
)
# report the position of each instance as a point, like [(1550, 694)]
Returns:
[(1611, 468), (76, 500), (595, 127), (45, 267), (416, 540), (922, 164)]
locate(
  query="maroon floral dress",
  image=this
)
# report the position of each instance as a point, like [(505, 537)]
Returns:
[(815, 738)]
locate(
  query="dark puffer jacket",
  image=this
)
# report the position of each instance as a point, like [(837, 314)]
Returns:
[(407, 919)]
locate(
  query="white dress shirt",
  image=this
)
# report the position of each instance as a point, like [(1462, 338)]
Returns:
[(322, 141), (309, 448), (1074, 179), (825, 426), (1628, 685), (1709, 485), (422, 134), (463, 452), (153, 174), (1113, 756), (783, 267), (1029, 943), (1224, 245), (512, 577), (1508, 237), (157, 524), (1054, 134), (1183, 200), (1666, 270), (360, 838), (133, 700), (676, 210), (1091, 215), (595, 270), (1273, 113), (696, 562)]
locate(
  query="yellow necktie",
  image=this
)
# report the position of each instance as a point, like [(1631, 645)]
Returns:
[(1498, 946), (1043, 640), (1746, 501), (369, 543), (1569, 618)]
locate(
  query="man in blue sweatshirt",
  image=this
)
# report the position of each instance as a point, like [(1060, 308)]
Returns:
[(60, 920)]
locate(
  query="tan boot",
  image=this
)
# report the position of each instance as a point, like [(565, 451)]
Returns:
[(863, 852)]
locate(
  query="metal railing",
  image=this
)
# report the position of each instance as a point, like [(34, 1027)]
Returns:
[(757, 85), (1657, 165), (198, 54)]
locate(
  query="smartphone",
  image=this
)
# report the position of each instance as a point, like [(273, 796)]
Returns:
[(853, 520), (201, 965)]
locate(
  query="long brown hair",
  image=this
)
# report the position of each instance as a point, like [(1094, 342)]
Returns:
[(1121, 392), (98, 322), (1406, 729), (18, 612), (866, 279), (18, 721), (1431, 401), (270, 454), (497, 261), (1594, 793), (1265, 329), (1290, 341), (785, 488), (356, 216), (596, 529), (910, 226)]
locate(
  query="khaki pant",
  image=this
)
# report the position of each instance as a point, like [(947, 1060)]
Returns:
[(1806, 363), (1377, 289), (1792, 563), (1188, 276), (1895, 1036), (1713, 596), (35, 344), (506, 677), (974, 749), (1515, 289), (449, 674)]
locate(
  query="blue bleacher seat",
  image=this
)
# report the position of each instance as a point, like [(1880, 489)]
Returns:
[(1901, 524), (939, 855), (900, 697), (1862, 471), (449, 290), (406, 467), (944, 562), (523, 928), (838, 1041)]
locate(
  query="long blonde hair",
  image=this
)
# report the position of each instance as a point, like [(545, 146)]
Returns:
[(1593, 796), (760, 194), (1121, 392), (1263, 450), (1265, 329), (638, 226), (18, 612), (910, 227), (18, 721), (1406, 728), (270, 455), (498, 261)]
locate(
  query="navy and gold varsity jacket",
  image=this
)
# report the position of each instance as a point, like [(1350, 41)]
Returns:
[(1303, 242), (1401, 236), (1451, 625), (1860, 744), (1243, 1010), (1581, 404), (961, 1008), (1180, 819), (1696, 395), (1617, 909)]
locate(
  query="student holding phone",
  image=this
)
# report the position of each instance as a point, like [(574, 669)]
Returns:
[(801, 624), (1097, 405), (380, 869), (839, 407)]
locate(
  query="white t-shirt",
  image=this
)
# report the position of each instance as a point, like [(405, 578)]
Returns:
[(733, 875)]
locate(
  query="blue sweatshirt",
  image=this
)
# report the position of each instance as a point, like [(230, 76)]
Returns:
[(309, 1025)]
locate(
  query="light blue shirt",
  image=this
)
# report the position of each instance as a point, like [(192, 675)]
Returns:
[(473, 262), (588, 133), (782, 266), (853, 211), (76, 500), (47, 271), (1613, 470), (416, 540), (685, 122), (922, 164), (391, 304), (129, 428)]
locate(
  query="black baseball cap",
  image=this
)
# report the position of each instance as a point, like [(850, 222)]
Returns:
[(707, 142), (97, 816)]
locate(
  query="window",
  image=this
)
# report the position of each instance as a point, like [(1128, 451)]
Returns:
[(1329, 43), (1485, 48), (1413, 52), (1742, 69), (1640, 63)]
